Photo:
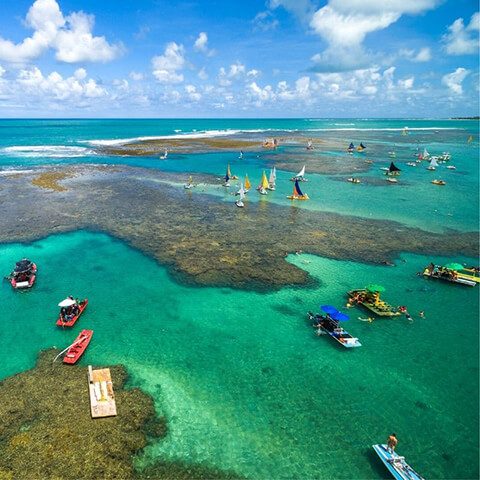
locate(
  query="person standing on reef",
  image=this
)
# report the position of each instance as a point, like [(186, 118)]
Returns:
[(392, 442)]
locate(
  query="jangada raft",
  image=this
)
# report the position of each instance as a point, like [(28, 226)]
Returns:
[(24, 274), (297, 193), (70, 311), (396, 464), (369, 297), (78, 347), (450, 273)]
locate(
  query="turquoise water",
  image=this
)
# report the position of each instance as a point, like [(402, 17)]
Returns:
[(242, 379)]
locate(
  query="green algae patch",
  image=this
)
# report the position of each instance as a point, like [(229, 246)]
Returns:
[(50, 180), (46, 430)]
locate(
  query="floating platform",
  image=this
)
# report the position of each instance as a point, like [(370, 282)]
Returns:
[(102, 398), (378, 307)]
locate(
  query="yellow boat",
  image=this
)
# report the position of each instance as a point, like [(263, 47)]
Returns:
[(297, 193), (371, 300)]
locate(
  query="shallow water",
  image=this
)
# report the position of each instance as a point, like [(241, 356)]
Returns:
[(242, 379)]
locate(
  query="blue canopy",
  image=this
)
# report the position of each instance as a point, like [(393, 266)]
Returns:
[(329, 309), (339, 316)]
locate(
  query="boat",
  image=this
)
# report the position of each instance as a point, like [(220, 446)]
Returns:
[(405, 131), (451, 167), (412, 164), (239, 203), (309, 145), (272, 178), (353, 180), (78, 347), (448, 275), (297, 193), (300, 176), (396, 464), (248, 185), (229, 173), (351, 148), (445, 157), (70, 312), (262, 188), (385, 169), (361, 147), (164, 156), (470, 139), (392, 154), (189, 184), (270, 143), (393, 170), (241, 154), (392, 180), (425, 154), (329, 323), (24, 274), (369, 297), (433, 164), (439, 182)]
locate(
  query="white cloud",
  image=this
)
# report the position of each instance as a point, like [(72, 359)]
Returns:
[(192, 93), (423, 55), (235, 71), (2, 71), (407, 83), (136, 76), (166, 67), (202, 74), (461, 40), (455, 79), (344, 24), (302, 9), (265, 21), (71, 37), (201, 44), (253, 73)]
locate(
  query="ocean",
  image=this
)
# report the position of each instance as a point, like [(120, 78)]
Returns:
[(242, 379)]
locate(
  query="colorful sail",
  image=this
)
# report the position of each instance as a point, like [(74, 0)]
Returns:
[(271, 179), (351, 146), (264, 182), (229, 173), (296, 190), (247, 183)]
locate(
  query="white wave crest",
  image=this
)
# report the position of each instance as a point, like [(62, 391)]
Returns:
[(50, 151)]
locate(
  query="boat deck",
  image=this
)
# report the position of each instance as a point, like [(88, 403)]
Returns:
[(380, 308), (102, 398)]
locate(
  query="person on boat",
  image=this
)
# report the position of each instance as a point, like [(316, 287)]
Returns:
[(392, 442)]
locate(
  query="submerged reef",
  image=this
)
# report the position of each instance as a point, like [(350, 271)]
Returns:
[(201, 239)]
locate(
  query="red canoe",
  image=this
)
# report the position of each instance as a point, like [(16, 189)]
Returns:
[(78, 347), (70, 323)]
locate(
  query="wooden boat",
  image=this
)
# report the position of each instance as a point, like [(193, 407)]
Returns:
[(24, 274), (300, 176), (70, 321), (439, 182), (327, 324), (78, 347), (263, 187), (297, 193), (448, 275), (393, 170), (361, 147), (272, 179), (396, 464), (371, 301)]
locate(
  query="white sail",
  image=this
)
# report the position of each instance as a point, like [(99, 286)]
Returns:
[(433, 163), (301, 173), (425, 153), (274, 173), (271, 179), (242, 192)]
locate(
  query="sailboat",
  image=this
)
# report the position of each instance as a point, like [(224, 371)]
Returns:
[(393, 170), (351, 148), (425, 154), (189, 184), (229, 173), (297, 193), (241, 154), (309, 145), (272, 178), (470, 139), (361, 147), (405, 131), (239, 203), (262, 188), (300, 176), (227, 177), (248, 185), (433, 164), (164, 156)]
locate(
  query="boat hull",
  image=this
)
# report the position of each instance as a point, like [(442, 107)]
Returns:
[(27, 283), (396, 464), (74, 353), (70, 323), (298, 197), (382, 309), (460, 280)]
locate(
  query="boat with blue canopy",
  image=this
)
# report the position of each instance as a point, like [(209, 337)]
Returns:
[(396, 464)]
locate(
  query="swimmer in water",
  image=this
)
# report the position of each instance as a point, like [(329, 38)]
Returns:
[(422, 314), (368, 319)]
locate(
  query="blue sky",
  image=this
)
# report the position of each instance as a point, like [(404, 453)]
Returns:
[(273, 58)]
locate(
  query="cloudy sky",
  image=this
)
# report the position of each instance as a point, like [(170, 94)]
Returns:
[(225, 58)]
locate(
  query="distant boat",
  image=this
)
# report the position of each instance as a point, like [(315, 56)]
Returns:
[(433, 164), (405, 131), (227, 178), (451, 167), (241, 154), (353, 180), (412, 164), (309, 145), (248, 185), (229, 173), (189, 184), (262, 188), (361, 147), (239, 203), (351, 148), (393, 170), (300, 176), (297, 193), (470, 139), (272, 179), (392, 180), (396, 464), (444, 157), (425, 154), (164, 156), (439, 182), (392, 153)]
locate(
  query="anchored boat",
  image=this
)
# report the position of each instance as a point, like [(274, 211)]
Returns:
[(450, 273), (369, 297), (300, 176), (272, 179), (361, 147), (396, 464), (70, 311), (239, 203), (24, 274), (262, 188), (78, 347), (297, 193), (439, 182), (393, 170)]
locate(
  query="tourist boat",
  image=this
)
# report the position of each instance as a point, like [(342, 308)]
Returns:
[(272, 178), (239, 203), (439, 182), (448, 275), (393, 170), (451, 167), (329, 323), (433, 164), (353, 180), (248, 185), (412, 164), (297, 193), (392, 180), (164, 156), (262, 188), (445, 157), (361, 147), (392, 154), (300, 176), (78, 347), (396, 464), (189, 184), (66, 319), (369, 297), (24, 274), (351, 148)]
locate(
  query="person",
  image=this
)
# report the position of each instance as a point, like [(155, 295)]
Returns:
[(392, 442), (422, 314), (408, 317)]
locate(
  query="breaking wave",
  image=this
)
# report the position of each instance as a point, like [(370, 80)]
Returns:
[(49, 151)]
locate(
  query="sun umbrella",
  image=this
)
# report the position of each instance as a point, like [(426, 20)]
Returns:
[(68, 302), (329, 309), (373, 288), (339, 316), (454, 266)]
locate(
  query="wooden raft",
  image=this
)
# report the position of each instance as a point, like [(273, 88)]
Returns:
[(102, 398)]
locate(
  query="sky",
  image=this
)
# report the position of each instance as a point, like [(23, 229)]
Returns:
[(267, 58)]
